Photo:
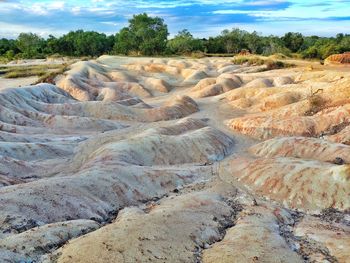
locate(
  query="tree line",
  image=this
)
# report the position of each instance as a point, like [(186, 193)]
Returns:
[(148, 36)]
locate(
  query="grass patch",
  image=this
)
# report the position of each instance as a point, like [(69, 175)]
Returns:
[(223, 55), (259, 61), (316, 102), (50, 76), (248, 60), (278, 56), (28, 71), (198, 54)]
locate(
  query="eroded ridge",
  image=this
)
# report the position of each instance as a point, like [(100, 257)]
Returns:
[(176, 160)]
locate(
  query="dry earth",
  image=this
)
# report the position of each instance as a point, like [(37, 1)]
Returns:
[(177, 160)]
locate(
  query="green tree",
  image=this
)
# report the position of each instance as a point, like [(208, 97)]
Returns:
[(273, 45), (7, 45), (253, 42), (184, 43), (30, 45), (293, 41), (145, 35), (81, 43), (215, 45), (125, 42)]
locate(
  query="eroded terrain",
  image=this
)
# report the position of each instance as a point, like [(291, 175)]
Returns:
[(176, 160)]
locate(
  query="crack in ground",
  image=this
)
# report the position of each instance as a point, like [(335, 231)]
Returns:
[(224, 224), (304, 246)]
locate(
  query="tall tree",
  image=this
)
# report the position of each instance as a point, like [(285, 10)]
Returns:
[(146, 35), (184, 43), (31, 45), (293, 41)]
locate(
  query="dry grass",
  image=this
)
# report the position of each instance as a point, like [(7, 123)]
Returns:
[(50, 76), (259, 61), (28, 71), (12, 72), (316, 101)]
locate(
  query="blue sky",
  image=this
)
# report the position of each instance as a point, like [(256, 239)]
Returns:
[(202, 17)]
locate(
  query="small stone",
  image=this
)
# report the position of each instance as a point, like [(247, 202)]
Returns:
[(339, 161)]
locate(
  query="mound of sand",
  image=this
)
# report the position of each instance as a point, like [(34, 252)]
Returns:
[(260, 83), (210, 86), (338, 59), (306, 185), (86, 80)]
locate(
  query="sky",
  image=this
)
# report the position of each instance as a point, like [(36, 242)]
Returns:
[(203, 18)]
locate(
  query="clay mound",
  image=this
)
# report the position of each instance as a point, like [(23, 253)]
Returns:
[(303, 109), (332, 235), (260, 83), (194, 76), (210, 86), (235, 78), (258, 227), (179, 64), (33, 241), (274, 101), (294, 183), (228, 83), (47, 109), (157, 85), (209, 91), (338, 59), (90, 80), (147, 148), (203, 83), (304, 148), (41, 127), (110, 172), (228, 69), (179, 225), (264, 126), (281, 81)]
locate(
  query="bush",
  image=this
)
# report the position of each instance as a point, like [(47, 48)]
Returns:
[(249, 60), (257, 61), (198, 54), (274, 64)]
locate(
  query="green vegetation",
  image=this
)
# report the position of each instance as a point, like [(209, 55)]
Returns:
[(258, 61), (29, 71), (49, 76), (145, 35), (148, 36), (184, 43)]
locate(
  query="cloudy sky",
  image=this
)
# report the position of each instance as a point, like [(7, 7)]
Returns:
[(202, 17)]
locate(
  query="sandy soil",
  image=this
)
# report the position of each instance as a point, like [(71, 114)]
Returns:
[(177, 160), (19, 82)]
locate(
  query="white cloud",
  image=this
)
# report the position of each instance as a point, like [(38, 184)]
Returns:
[(10, 30)]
